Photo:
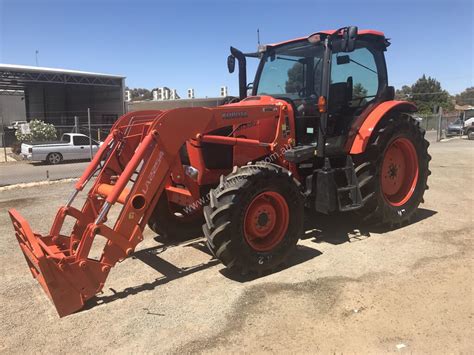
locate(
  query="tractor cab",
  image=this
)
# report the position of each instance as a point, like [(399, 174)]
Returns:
[(327, 77)]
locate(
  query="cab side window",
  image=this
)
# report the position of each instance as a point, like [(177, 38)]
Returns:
[(358, 70)]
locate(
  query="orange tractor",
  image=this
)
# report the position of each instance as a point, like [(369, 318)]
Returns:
[(321, 132)]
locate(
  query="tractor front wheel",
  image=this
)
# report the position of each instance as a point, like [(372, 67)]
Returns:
[(393, 171), (255, 218)]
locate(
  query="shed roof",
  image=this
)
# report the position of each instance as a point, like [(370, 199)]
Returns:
[(34, 69)]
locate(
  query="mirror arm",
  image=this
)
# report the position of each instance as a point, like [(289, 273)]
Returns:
[(242, 71)]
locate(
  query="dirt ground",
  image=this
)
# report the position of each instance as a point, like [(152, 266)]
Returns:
[(344, 290)]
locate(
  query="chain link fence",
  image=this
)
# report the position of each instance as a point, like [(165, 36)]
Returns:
[(17, 166), (444, 126)]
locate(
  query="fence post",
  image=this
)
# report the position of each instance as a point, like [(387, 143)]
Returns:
[(440, 115), (89, 127), (76, 124), (4, 143)]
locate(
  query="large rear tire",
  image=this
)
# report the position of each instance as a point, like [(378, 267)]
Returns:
[(255, 218), (393, 171)]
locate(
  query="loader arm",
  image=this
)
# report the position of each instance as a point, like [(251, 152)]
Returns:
[(132, 168)]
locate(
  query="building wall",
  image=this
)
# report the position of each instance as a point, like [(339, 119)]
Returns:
[(59, 104), (12, 108), (170, 104)]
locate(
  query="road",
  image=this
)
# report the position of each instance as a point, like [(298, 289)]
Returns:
[(25, 172), (347, 289)]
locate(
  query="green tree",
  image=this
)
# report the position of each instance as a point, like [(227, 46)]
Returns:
[(140, 94), (359, 91), (466, 97), (295, 78), (427, 93), (403, 93)]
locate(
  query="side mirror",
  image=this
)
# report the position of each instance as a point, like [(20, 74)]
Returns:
[(349, 37), (231, 63)]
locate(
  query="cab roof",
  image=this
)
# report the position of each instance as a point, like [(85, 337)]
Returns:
[(331, 32)]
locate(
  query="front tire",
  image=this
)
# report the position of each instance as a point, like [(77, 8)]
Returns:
[(255, 218), (393, 171)]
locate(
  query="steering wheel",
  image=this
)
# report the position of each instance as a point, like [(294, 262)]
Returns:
[(287, 99), (230, 100)]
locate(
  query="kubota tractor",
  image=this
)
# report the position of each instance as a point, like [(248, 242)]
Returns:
[(320, 132)]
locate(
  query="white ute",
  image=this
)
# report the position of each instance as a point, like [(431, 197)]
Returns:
[(73, 146)]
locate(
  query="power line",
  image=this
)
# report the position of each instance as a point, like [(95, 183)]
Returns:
[(426, 93)]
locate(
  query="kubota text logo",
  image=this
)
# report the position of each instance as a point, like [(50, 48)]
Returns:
[(234, 114), (152, 174)]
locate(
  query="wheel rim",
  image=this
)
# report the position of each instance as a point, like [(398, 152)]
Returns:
[(54, 158), (266, 221), (399, 173)]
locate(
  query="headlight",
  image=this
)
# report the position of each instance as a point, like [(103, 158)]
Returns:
[(191, 171)]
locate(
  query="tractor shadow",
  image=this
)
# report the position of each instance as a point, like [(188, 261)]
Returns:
[(151, 257), (170, 272), (302, 254), (335, 229), (347, 227)]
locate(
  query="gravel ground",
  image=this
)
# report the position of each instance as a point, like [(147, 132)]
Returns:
[(344, 290)]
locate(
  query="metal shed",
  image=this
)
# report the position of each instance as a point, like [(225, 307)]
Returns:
[(57, 96)]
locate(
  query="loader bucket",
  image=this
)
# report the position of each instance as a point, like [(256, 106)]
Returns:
[(39, 254), (68, 281)]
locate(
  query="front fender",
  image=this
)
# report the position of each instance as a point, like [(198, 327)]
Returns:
[(364, 132)]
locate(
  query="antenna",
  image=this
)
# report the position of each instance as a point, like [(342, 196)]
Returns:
[(36, 56), (258, 37)]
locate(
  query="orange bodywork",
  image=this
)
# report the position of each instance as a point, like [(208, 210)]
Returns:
[(137, 162), (361, 132)]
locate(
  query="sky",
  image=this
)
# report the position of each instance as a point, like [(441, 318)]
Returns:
[(184, 44)]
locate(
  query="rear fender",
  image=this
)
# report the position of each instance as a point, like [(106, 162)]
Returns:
[(363, 131)]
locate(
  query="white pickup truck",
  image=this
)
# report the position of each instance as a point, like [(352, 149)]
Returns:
[(73, 146)]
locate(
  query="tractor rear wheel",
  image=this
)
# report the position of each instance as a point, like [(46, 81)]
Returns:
[(255, 218), (393, 171), (172, 223)]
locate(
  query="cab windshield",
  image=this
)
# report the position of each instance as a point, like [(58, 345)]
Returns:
[(293, 70)]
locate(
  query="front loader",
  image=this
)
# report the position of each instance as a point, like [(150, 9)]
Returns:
[(321, 132)]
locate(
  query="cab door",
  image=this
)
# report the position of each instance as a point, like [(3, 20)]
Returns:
[(357, 80)]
